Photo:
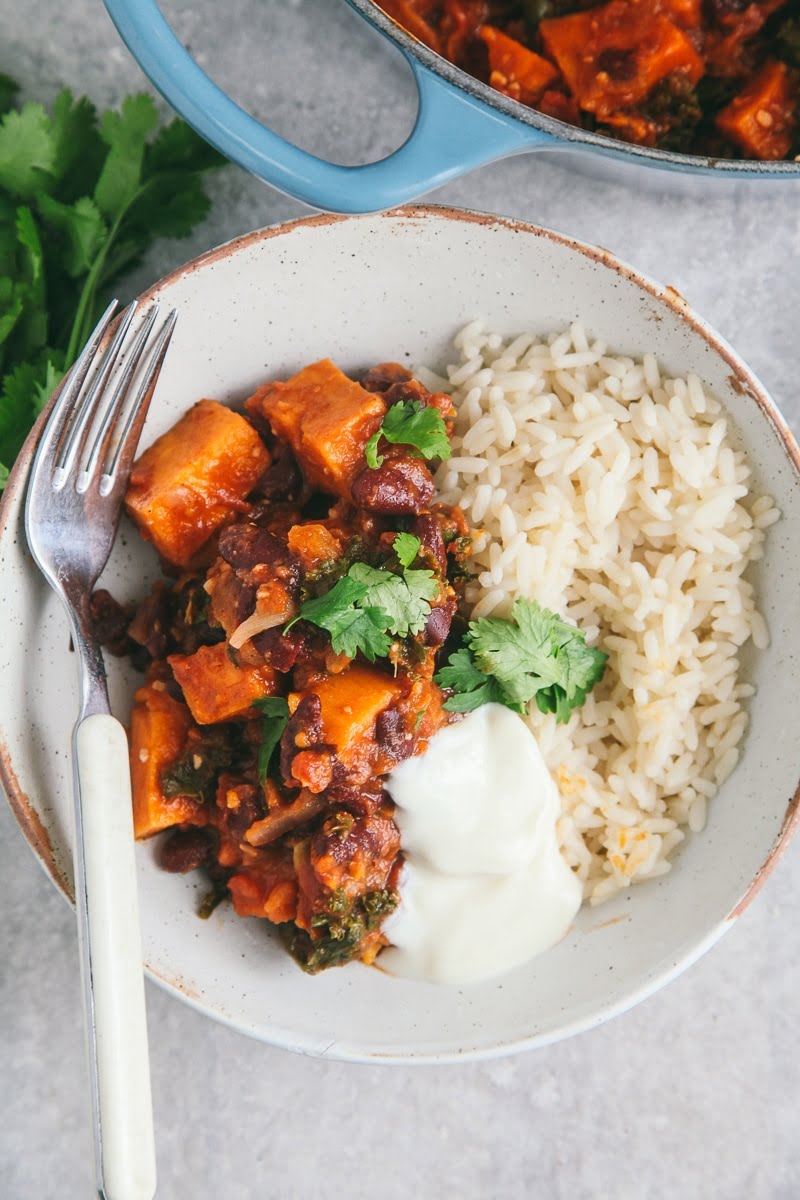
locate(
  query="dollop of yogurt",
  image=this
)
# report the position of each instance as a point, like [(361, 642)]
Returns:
[(484, 887)]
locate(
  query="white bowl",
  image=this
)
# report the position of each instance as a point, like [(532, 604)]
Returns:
[(362, 290)]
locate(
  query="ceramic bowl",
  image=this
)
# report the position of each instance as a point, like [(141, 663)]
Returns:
[(399, 286)]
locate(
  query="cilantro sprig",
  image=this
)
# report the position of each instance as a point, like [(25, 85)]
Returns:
[(534, 656), (276, 718), (82, 197), (369, 603), (414, 425)]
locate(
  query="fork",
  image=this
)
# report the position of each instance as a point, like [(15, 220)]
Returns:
[(72, 510)]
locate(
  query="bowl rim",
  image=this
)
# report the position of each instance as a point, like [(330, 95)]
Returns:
[(741, 378), (568, 134)]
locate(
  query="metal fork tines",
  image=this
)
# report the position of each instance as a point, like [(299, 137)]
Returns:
[(88, 406), (73, 505)]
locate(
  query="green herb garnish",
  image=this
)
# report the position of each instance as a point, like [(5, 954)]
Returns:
[(411, 424), (535, 655), (406, 546), (196, 772), (212, 900), (370, 603), (337, 934), (404, 598), (81, 199), (276, 718)]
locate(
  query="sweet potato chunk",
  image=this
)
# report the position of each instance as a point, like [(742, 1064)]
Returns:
[(686, 13), (763, 117), (613, 56), (159, 727), (419, 24), (326, 418), (515, 70), (194, 478), (266, 887), (215, 688), (314, 545), (350, 703)]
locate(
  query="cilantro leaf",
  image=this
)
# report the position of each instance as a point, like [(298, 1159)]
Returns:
[(26, 150), (177, 146), (344, 594), (8, 90), (411, 424), (49, 375), (82, 228), (78, 149), (352, 627), (471, 687), (422, 588), (168, 205), (360, 629), (276, 718), (125, 133), (369, 603), (16, 410), (11, 305), (30, 333), (79, 203), (535, 655), (404, 598), (406, 546)]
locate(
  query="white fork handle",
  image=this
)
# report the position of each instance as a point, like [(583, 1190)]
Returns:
[(111, 962)]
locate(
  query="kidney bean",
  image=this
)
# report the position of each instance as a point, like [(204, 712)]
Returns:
[(392, 734), (437, 626), (401, 485), (247, 546), (282, 480), (303, 731), (429, 532), (110, 620), (186, 850), (381, 377)]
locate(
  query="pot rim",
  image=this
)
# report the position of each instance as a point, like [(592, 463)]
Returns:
[(561, 130)]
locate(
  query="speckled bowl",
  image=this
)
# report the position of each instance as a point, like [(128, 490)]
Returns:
[(399, 286)]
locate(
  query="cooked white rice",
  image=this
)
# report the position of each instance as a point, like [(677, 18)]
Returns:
[(612, 494)]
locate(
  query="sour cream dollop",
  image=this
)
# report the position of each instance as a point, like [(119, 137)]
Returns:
[(484, 887)]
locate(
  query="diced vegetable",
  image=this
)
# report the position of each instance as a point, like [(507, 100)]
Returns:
[(351, 702), (762, 119), (215, 688), (686, 13), (515, 70), (613, 56), (314, 545), (267, 890), (326, 418), (407, 13), (159, 729), (193, 478)]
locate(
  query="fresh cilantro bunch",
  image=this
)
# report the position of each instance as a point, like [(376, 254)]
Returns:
[(414, 425), (370, 603), (81, 199), (535, 655)]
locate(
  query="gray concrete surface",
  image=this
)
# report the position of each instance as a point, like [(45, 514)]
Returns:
[(695, 1093)]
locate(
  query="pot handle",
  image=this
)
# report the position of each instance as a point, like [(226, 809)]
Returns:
[(453, 134)]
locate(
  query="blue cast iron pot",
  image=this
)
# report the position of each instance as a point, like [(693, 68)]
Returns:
[(461, 124)]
